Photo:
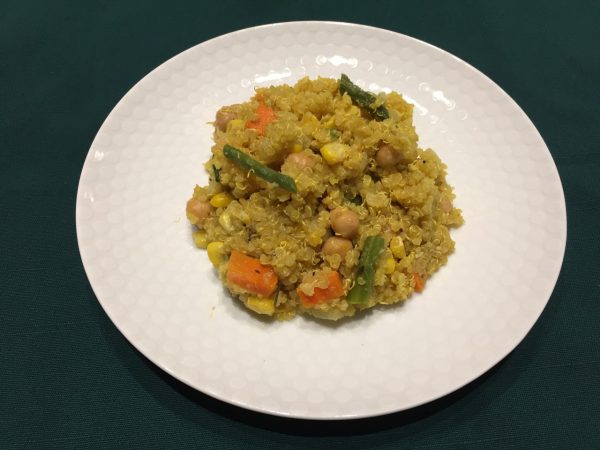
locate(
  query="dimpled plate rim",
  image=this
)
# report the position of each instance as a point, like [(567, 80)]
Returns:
[(161, 293)]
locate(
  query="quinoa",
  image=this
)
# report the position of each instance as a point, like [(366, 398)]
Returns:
[(340, 158)]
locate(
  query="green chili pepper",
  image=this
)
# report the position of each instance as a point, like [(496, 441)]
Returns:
[(363, 283), (264, 172), (362, 98)]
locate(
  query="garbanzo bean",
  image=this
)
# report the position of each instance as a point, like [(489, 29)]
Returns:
[(387, 156), (344, 222), (197, 211), (225, 115), (300, 160), (336, 246)]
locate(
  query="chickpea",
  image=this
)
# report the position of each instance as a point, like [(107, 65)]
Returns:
[(336, 246), (344, 222), (225, 115), (387, 156), (197, 211), (301, 160), (446, 205)]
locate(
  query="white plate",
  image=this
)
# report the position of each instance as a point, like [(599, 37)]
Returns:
[(163, 295)]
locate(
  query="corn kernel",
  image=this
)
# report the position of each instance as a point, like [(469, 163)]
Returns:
[(236, 124), (389, 265), (200, 238), (215, 253), (314, 239), (225, 222), (414, 234), (355, 111), (221, 200), (297, 148), (261, 305), (310, 120), (334, 152), (397, 247)]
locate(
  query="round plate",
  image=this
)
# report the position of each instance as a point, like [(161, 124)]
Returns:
[(163, 295)]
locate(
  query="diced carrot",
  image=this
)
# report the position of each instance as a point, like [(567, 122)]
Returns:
[(249, 274), (419, 282), (334, 289), (265, 116)]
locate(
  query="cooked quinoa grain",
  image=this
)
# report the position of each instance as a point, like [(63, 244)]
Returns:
[(313, 179)]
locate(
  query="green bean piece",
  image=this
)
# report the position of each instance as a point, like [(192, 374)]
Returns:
[(363, 283), (243, 160), (357, 199), (217, 173), (362, 98)]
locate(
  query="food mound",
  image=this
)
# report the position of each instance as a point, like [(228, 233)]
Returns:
[(320, 201)]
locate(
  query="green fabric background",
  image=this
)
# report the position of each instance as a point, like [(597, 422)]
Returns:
[(68, 379)]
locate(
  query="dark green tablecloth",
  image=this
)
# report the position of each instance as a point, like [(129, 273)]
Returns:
[(68, 379)]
